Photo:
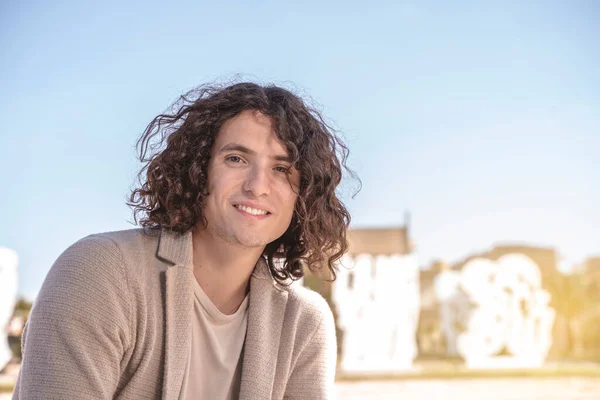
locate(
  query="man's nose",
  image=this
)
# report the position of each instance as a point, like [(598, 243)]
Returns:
[(258, 181)]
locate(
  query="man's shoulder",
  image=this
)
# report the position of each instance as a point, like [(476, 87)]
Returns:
[(123, 241), (308, 304), (109, 251), (94, 265), (124, 237), (309, 319)]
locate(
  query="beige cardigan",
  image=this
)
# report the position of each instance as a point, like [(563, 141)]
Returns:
[(113, 321)]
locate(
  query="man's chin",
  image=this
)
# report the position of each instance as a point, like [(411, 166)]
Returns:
[(253, 243)]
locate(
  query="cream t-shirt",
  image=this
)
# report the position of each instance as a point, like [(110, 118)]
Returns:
[(214, 365)]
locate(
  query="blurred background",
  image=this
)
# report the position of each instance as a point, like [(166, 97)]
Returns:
[(474, 127)]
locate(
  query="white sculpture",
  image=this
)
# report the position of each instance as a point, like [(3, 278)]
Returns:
[(377, 298), (492, 307), (8, 299)]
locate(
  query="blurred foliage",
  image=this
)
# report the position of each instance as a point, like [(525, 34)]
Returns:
[(577, 304), (569, 294), (23, 306), (22, 309)]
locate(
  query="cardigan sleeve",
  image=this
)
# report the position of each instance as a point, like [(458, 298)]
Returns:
[(79, 327), (313, 375)]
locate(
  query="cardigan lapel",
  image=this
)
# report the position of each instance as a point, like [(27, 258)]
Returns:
[(266, 310), (176, 250)]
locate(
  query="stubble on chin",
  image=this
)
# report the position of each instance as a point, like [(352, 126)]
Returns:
[(247, 238)]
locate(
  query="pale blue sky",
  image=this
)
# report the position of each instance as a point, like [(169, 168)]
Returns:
[(481, 118)]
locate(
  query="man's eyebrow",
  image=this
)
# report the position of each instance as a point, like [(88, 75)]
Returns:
[(243, 149), (236, 147)]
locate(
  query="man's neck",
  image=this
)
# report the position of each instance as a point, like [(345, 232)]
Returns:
[(223, 270)]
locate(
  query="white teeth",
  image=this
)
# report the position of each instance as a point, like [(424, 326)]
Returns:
[(250, 210)]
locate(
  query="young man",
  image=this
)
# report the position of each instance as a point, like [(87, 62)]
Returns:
[(198, 304)]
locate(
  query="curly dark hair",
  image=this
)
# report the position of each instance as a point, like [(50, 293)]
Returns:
[(176, 148)]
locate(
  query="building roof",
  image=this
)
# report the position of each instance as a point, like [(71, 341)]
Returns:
[(379, 241)]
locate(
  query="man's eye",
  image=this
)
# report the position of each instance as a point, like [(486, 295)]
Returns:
[(234, 159), (281, 169)]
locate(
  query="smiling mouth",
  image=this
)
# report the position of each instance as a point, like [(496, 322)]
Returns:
[(251, 211)]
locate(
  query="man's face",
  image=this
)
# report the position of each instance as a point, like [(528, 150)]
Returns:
[(250, 200)]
